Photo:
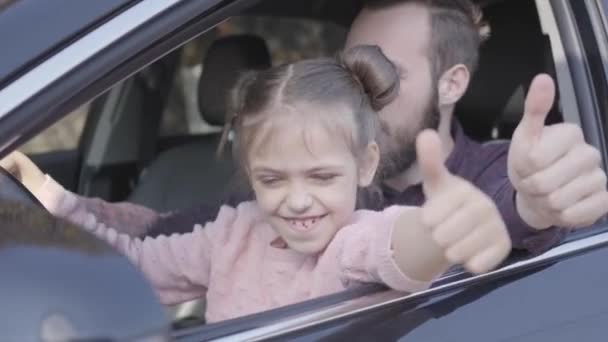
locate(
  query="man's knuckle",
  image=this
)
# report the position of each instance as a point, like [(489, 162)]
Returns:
[(474, 267), (573, 130), (595, 154), (537, 185), (600, 175), (441, 239), (534, 162), (553, 201), (589, 154), (566, 217), (455, 255)]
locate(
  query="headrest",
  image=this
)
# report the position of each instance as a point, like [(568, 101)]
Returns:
[(515, 53), (224, 61)]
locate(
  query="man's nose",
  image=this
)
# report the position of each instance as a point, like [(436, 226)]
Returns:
[(299, 200)]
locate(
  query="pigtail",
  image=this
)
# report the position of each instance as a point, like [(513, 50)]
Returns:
[(236, 103), (377, 76)]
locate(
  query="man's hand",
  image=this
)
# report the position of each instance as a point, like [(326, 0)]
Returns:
[(463, 220), (557, 175), (22, 168)]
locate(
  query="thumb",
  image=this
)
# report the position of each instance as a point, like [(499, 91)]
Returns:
[(537, 106), (430, 161)]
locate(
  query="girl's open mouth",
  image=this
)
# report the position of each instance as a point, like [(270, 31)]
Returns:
[(304, 224)]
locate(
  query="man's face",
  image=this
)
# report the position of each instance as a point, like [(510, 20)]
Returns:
[(403, 34)]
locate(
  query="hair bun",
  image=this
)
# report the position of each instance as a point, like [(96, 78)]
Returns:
[(376, 74)]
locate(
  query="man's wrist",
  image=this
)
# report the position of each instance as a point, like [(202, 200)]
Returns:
[(527, 213)]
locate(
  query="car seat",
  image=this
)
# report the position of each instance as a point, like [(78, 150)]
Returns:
[(516, 51), (190, 174)]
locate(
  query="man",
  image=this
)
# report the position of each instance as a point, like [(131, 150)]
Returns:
[(547, 178)]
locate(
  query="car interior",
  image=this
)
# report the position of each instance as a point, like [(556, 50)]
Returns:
[(125, 155)]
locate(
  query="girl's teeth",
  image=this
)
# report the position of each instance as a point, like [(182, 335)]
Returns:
[(304, 224)]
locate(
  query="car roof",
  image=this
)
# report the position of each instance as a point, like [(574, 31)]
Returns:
[(38, 33), (29, 28)]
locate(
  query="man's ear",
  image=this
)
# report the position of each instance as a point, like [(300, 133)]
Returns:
[(453, 84), (368, 164)]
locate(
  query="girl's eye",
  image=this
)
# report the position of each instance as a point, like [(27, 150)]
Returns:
[(269, 180), (324, 177)]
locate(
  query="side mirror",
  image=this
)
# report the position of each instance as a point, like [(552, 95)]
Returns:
[(61, 283)]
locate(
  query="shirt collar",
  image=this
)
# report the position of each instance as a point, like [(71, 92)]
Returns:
[(457, 155)]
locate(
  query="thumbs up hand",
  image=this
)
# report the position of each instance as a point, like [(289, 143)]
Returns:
[(557, 176), (463, 221)]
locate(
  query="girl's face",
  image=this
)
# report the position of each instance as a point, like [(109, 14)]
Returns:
[(305, 177)]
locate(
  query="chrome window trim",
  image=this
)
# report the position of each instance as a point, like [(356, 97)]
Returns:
[(602, 6), (597, 14), (389, 297), (51, 70), (580, 74), (548, 23)]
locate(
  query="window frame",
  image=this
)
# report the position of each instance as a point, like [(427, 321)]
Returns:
[(577, 243), (80, 91)]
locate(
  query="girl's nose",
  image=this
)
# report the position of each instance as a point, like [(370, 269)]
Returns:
[(299, 201)]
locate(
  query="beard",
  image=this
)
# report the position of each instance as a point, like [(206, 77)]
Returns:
[(399, 148)]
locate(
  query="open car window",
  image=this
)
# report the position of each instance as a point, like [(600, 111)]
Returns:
[(181, 118), (550, 50), (63, 135)]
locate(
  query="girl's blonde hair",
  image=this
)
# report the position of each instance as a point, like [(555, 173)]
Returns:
[(361, 78)]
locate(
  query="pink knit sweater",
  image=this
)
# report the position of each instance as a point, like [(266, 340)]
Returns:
[(232, 263)]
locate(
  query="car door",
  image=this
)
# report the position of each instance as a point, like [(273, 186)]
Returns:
[(559, 300), (156, 34), (556, 297)]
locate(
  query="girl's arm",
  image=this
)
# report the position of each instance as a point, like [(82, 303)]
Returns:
[(375, 248), (414, 250), (177, 266), (124, 217)]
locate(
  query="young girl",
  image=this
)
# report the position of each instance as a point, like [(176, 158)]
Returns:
[(304, 136)]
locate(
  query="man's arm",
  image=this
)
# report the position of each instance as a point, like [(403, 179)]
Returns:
[(486, 167), (558, 176), (522, 235)]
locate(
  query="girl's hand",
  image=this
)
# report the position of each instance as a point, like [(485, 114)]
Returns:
[(22, 168), (463, 221)]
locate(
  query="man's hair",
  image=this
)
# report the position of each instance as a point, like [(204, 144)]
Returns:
[(457, 31)]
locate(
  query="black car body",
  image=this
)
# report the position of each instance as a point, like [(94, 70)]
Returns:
[(112, 53)]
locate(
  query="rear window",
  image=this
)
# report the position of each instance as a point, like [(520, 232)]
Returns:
[(288, 39)]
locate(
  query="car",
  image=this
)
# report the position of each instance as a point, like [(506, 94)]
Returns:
[(123, 100)]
